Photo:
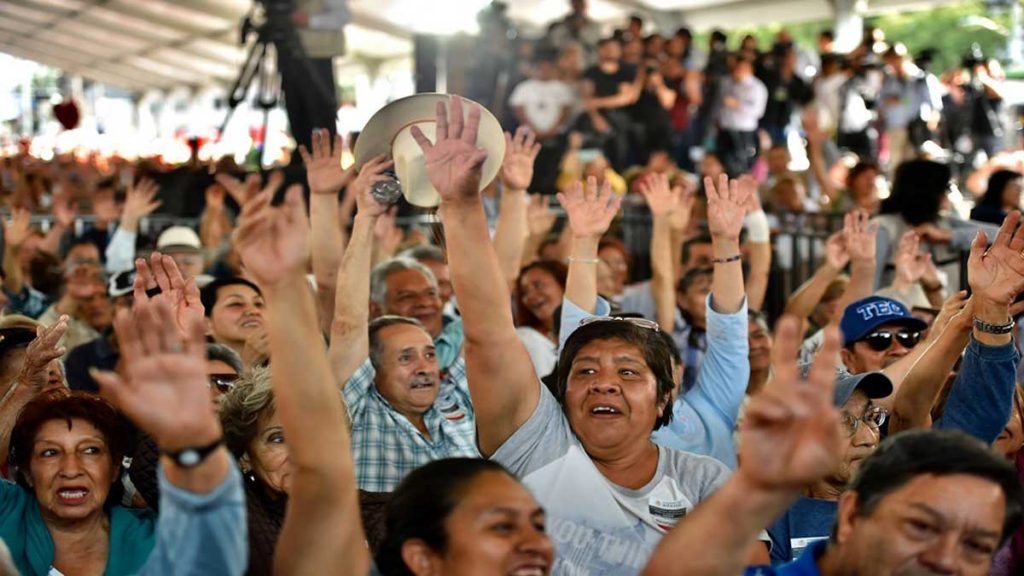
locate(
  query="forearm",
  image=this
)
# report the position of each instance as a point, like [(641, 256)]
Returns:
[(120, 252), (349, 338), (913, 402), (214, 227), (727, 290), (803, 301), (759, 242), (862, 282), (663, 273), (205, 477), (13, 280), (981, 398), (995, 313), (703, 545), (326, 249), (511, 233), (581, 283), (51, 243)]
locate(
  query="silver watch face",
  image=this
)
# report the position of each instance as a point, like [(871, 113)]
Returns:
[(188, 457)]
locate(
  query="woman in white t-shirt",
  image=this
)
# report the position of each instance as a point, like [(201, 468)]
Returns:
[(539, 291)]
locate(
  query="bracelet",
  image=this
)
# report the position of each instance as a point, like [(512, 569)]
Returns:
[(727, 260), (987, 328), (584, 260)]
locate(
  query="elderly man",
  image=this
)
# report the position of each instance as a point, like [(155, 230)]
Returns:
[(403, 412), (877, 332)]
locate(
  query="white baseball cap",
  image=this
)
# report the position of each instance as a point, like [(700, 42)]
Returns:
[(179, 239)]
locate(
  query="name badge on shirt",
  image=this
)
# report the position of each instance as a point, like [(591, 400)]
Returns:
[(666, 513), (797, 545), (453, 413)]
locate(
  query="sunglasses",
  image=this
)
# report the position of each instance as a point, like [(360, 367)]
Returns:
[(882, 341), (638, 322), (223, 382)]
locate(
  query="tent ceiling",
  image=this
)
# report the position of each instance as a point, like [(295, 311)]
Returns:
[(142, 44)]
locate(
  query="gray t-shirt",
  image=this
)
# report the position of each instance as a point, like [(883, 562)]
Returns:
[(599, 527)]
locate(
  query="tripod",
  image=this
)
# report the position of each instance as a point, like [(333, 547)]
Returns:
[(275, 34)]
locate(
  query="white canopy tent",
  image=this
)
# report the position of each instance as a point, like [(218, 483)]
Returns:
[(142, 45)]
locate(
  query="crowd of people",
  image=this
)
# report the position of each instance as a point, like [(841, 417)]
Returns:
[(297, 384)]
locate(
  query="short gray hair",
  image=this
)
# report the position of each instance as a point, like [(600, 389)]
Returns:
[(250, 399), (425, 252), (220, 352), (379, 276), (380, 323)]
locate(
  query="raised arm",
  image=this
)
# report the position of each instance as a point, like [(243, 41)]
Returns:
[(326, 179), (789, 440), (349, 338), (802, 301), (274, 244), (860, 240), (501, 376), (16, 230), (759, 243), (663, 203), (590, 214), (140, 201), (516, 174), (727, 204), (540, 219)]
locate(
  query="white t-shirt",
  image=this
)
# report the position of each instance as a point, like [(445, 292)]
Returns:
[(542, 101), (598, 527), (543, 352)]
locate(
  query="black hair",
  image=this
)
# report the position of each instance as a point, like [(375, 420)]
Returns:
[(718, 36), (859, 168), (917, 191), (691, 276), (997, 182), (689, 244), (904, 456), (422, 503), (827, 33), (208, 294), (608, 40), (656, 349)]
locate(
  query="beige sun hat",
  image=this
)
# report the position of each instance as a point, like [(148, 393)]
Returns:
[(389, 132)]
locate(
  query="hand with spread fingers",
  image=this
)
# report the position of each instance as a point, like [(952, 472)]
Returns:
[(38, 372), (453, 160), (911, 264), (18, 227), (140, 201), (164, 388), (590, 212), (160, 277), (836, 256), (323, 166), (242, 192), (997, 273), (860, 237), (520, 152), (790, 434), (273, 241), (661, 199), (727, 205), (540, 219)]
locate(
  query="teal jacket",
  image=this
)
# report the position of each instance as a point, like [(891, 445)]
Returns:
[(132, 534)]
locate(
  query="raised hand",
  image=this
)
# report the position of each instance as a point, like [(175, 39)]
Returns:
[(164, 389), (370, 173), (540, 219), (64, 212), (910, 263), (790, 434), (997, 274), (727, 205), (323, 167), (273, 241), (215, 194), (256, 349), (44, 349), (520, 153), (242, 192), (836, 256), (860, 236), (679, 219), (139, 201), (18, 227), (161, 275), (453, 161), (591, 212), (661, 200)]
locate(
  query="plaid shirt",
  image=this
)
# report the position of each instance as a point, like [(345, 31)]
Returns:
[(387, 446)]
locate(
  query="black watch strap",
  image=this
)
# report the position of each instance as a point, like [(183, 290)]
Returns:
[(993, 328), (194, 455)]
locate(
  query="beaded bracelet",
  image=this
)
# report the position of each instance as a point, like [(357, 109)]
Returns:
[(727, 260)]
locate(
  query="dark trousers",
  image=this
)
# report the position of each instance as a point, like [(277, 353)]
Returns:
[(737, 149), (309, 96), (864, 143)]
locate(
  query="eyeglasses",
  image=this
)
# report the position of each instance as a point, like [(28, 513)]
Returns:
[(223, 382), (638, 322), (874, 417), (882, 341)]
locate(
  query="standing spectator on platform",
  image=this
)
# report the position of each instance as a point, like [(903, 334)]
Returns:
[(787, 91), (743, 103), (987, 128), (854, 116), (579, 28), (651, 111), (544, 104), (608, 91), (910, 105)]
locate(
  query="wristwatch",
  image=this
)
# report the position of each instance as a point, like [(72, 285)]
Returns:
[(993, 328), (194, 455)]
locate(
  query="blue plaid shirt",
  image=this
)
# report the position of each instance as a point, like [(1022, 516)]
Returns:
[(386, 446), (29, 301)]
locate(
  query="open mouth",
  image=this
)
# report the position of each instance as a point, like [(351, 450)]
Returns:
[(529, 571), (72, 496), (421, 384), (252, 324), (605, 411)]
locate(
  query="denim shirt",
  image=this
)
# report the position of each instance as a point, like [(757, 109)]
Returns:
[(981, 398)]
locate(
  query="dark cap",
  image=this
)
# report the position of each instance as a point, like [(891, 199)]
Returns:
[(866, 314)]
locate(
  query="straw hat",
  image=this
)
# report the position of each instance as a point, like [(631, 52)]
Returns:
[(389, 132)]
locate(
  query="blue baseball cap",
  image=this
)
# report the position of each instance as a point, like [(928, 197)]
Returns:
[(873, 384), (865, 315)]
